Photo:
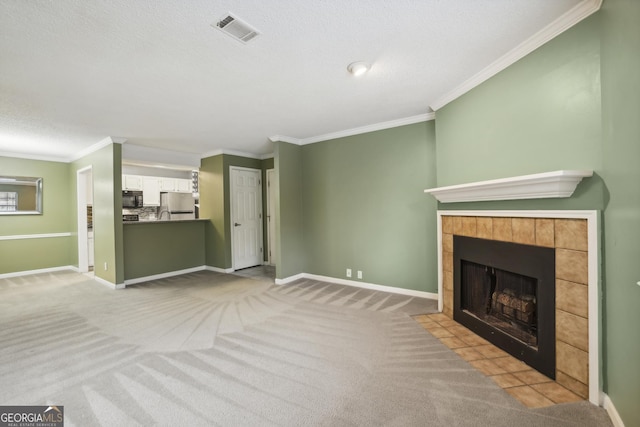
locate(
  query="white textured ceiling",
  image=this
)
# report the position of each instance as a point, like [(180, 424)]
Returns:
[(154, 72)]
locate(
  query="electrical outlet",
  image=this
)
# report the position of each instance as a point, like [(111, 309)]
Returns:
[(359, 274), (105, 265), (348, 272)]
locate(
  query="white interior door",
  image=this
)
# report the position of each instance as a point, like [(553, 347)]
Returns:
[(271, 217), (246, 217)]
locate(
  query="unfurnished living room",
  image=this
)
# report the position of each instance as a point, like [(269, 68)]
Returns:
[(250, 213)]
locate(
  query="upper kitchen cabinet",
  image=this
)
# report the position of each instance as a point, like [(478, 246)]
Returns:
[(131, 182), (175, 184), (183, 185), (151, 191), (167, 184)]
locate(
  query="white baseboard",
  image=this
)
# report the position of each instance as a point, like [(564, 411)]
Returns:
[(290, 279), (164, 275), (354, 283), (219, 270), (38, 271), (107, 283), (607, 404)]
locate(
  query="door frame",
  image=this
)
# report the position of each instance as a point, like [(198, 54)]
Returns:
[(231, 212), (271, 237), (83, 233)]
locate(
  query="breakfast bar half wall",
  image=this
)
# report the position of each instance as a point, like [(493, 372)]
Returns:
[(157, 248)]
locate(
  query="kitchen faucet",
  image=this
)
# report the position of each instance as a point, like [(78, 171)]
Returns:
[(162, 212)]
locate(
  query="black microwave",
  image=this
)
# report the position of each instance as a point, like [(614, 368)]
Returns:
[(132, 199)]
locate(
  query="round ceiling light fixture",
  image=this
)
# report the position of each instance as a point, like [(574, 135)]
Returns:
[(358, 68)]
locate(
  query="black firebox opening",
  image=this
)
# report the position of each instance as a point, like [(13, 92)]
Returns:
[(505, 292)]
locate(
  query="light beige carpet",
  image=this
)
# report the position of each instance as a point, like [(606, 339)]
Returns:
[(215, 349)]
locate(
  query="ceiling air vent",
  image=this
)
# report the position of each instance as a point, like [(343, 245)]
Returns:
[(236, 28)]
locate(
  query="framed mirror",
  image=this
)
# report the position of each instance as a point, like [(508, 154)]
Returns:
[(20, 195)]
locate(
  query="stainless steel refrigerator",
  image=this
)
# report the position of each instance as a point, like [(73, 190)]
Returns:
[(176, 206)]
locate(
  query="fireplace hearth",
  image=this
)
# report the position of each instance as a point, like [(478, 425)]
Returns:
[(505, 292)]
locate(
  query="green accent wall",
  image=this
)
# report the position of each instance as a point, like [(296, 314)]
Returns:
[(35, 254), (621, 157), (106, 166), (155, 248), (211, 189), (290, 248), (364, 207), (571, 104), (538, 115), (215, 205)]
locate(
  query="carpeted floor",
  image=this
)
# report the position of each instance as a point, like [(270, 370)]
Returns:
[(215, 349)]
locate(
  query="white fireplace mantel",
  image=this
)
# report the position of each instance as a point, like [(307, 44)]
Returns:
[(561, 183)]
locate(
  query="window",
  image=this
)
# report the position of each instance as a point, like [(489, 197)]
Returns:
[(8, 201)]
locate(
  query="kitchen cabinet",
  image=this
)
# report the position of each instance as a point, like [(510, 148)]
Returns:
[(167, 184), (131, 182), (151, 186), (151, 191), (183, 185), (175, 184)]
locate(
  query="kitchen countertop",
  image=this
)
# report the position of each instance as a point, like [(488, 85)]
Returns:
[(164, 221)]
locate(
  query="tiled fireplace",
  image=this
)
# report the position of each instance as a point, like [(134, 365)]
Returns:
[(571, 238)]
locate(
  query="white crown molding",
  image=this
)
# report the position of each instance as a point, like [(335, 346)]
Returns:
[(545, 185), (27, 156), (284, 138), (579, 12), (95, 147), (231, 153), (371, 128), (140, 155), (356, 131)]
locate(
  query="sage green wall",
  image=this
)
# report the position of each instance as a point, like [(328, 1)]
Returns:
[(538, 115), (211, 189), (621, 154), (156, 248), (573, 103), (364, 207), (34, 254), (290, 248), (215, 205), (106, 166)]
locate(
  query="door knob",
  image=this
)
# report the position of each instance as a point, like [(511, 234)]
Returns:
[(235, 224)]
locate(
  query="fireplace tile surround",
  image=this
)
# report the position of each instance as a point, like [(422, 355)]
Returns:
[(572, 235)]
